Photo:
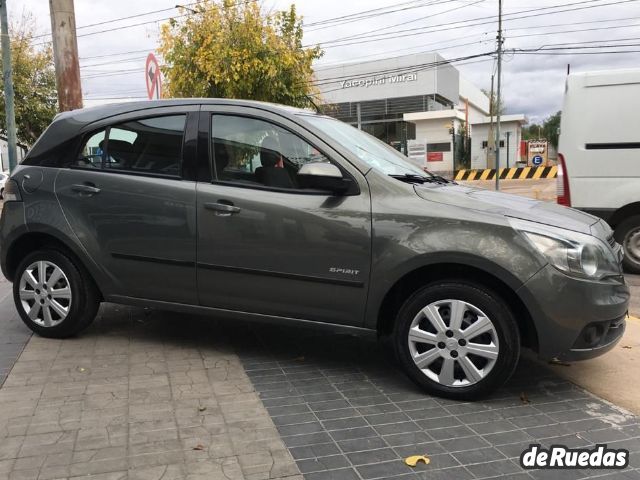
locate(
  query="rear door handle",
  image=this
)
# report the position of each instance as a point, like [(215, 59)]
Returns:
[(85, 188), (222, 209)]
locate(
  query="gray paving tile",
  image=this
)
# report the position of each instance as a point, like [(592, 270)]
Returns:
[(478, 455), (353, 433), (463, 443), (494, 468), (372, 456), (320, 464), (312, 451), (383, 470), (400, 439), (425, 448), (344, 423), (310, 439), (361, 444), (340, 474)]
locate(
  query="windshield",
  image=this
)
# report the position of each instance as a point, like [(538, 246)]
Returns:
[(366, 147)]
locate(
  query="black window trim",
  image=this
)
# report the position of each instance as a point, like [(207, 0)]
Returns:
[(107, 129), (353, 190)]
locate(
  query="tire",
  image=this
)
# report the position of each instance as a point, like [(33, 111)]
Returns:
[(627, 234), (72, 301), (437, 348)]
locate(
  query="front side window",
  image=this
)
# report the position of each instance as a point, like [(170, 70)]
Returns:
[(148, 145), (254, 152), (368, 149)]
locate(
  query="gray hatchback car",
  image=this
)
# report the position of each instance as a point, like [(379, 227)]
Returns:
[(263, 212)]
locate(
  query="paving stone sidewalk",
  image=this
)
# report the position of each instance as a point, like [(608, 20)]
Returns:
[(13, 334), (160, 396), (138, 396), (346, 412)]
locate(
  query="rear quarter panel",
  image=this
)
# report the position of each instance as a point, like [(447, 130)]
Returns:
[(42, 214)]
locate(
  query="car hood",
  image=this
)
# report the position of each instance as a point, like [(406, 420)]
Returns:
[(508, 205)]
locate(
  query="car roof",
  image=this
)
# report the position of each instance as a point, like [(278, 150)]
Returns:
[(93, 114), (66, 125)]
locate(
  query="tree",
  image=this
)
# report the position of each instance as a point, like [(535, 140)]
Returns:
[(548, 130), (493, 103), (34, 84), (551, 128), (235, 50)]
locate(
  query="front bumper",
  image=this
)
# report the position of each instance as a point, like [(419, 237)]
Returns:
[(575, 319)]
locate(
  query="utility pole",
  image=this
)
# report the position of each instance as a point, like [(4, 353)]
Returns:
[(8, 87), (508, 134), (490, 138), (498, 95), (65, 54)]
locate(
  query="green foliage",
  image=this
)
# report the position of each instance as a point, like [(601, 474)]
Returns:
[(548, 130), (234, 50), (34, 84)]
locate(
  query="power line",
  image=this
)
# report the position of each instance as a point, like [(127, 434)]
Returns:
[(358, 35), (135, 24), (115, 54), (461, 24), (363, 14)]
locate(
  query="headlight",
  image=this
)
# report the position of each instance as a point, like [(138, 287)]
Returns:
[(574, 253)]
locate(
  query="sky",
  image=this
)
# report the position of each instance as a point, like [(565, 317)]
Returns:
[(533, 83)]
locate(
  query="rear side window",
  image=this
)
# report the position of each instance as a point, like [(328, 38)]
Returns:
[(92, 151), (148, 145)]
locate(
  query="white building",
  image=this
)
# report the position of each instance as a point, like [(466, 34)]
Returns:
[(4, 153), (418, 103), (510, 138)]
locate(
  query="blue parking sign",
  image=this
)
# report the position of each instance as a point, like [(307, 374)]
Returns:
[(537, 160)]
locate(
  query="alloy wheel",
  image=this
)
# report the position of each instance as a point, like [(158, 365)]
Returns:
[(453, 343), (45, 293), (631, 244)]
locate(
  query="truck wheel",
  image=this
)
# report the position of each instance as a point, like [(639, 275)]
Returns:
[(627, 234), (54, 297), (457, 339)]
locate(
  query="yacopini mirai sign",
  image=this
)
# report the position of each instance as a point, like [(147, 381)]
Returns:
[(382, 80)]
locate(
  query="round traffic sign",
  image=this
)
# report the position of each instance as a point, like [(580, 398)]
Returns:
[(152, 76), (537, 160)]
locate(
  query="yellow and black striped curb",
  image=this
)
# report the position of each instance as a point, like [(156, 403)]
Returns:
[(520, 173)]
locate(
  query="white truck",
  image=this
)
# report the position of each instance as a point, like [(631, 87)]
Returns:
[(599, 153)]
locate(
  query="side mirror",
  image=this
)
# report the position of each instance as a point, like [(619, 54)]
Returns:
[(323, 176)]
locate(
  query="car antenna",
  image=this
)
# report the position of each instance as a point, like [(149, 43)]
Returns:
[(308, 97)]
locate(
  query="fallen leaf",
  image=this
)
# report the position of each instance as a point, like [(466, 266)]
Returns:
[(199, 447), (413, 460), (524, 398), (627, 346), (202, 409)]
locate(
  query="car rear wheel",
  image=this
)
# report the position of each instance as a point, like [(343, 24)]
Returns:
[(628, 235), (54, 297), (457, 339)]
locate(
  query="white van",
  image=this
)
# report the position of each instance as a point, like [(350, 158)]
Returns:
[(599, 153)]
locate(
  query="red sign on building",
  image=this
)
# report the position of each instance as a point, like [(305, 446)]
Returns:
[(434, 156)]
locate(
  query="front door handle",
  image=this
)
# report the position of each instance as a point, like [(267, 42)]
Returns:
[(85, 188), (222, 209)]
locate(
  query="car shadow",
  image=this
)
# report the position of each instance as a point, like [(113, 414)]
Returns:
[(363, 361)]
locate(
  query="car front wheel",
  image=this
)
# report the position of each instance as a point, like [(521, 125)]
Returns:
[(54, 297), (457, 339), (628, 235)]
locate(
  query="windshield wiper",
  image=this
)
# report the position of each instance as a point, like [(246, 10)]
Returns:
[(415, 178)]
